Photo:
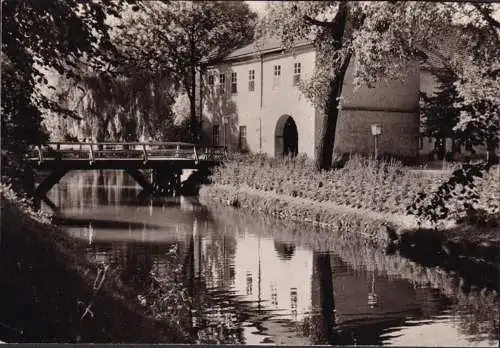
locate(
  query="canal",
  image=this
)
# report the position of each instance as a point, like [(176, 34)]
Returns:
[(230, 277)]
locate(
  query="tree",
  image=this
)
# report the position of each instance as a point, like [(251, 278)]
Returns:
[(177, 36), (41, 35), (384, 38), (120, 108), (439, 115)]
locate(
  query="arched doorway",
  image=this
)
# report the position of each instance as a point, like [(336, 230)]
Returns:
[(286, 137)]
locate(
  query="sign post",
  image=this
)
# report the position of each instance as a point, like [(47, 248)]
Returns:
[(376, 129), (225, 121)]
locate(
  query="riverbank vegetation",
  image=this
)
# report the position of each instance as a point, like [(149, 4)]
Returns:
[(363, 183), (50, 293), (365, 200)]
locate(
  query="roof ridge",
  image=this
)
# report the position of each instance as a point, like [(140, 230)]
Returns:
[(262, 44)]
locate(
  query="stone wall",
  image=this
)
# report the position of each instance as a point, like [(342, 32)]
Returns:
[(393, 104)]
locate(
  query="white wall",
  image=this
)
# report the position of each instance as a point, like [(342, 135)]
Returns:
[(288, 100), (244, 107)]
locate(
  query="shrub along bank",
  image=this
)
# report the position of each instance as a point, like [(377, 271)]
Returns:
[(51, 294), (365, 197), (363, 183)]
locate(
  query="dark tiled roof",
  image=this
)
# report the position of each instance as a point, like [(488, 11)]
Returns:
[(263, 45)]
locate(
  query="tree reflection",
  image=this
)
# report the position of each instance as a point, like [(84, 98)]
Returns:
[(214, 317), (102, 187), (322, 320), (285, 251), (138, 265)]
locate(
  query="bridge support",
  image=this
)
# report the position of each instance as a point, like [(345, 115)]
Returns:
[(164, 181), (49, 182), (29, 181), (167, 182), (141, 180), (50, 204)]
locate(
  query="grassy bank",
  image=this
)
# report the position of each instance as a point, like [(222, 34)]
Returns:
[(52, 294), (385, 187), (371, 229), (366, 198)]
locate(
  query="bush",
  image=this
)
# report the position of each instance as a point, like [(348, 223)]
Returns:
[(384, 186), (24, 204)]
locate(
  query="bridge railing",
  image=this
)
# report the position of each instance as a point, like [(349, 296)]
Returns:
[(214, 153), (127, 150)]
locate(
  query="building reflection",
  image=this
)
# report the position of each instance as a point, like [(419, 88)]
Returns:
[(243, 286), (273, 275), (322, 319)]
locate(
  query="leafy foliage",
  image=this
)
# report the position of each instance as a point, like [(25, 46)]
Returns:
[(24, 204), (36, 36), (438, 113), (385, 39), (117, 108), (384, 187), (174, 38)]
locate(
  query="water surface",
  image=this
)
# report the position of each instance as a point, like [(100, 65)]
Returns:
[(238, 278)]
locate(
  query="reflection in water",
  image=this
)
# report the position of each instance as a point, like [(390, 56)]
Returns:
[(372, 295), (323, 317), (233, 278), (284, 250)]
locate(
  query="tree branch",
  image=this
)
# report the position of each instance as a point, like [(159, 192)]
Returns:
[(317, 22), (487, 16)]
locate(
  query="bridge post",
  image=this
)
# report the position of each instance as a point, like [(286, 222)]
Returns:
[(167, 181), (29, 181), (50, 181), (141, 180)]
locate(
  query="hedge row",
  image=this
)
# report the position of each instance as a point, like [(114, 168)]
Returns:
[(363, 183)]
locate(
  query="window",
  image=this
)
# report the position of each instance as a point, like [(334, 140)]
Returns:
[(296, 73), (277, 74), (215, 135), (222, 83), (251, 80), (234, 82), (211, 79), (243, 137)]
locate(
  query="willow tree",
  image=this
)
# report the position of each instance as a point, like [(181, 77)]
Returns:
[(174, 37), (382, 38), (128, 107), (41, 35)]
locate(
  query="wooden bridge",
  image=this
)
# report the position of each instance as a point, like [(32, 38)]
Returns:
[(165, 160)]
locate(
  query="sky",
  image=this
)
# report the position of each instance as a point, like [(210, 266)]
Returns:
[(258, 6)]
